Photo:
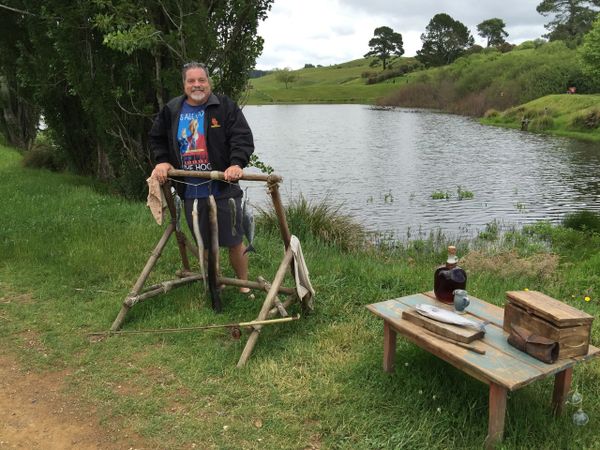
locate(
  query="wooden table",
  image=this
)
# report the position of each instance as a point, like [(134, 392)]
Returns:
[(502, 366)]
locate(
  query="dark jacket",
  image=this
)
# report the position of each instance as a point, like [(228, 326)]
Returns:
[(228, 137)]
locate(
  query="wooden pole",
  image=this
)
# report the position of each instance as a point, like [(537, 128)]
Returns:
[(280, 211), (161, 288), (267, 287), (199, 328), (213, 255), (273, 311), (216, 175), (254, 285), (268, 303), (144, 275)]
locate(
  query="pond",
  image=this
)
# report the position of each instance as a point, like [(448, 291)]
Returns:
[(386, 166)]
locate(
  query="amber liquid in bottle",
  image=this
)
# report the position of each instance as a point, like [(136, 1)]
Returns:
[(449, 277)]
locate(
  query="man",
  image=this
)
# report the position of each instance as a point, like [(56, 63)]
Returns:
[(202, 131)]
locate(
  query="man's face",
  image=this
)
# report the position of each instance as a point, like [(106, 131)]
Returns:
[(196, 86)]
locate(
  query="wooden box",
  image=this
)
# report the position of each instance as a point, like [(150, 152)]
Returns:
[(551, 319)]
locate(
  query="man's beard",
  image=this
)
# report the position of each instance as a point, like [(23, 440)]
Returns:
[(198, 95)]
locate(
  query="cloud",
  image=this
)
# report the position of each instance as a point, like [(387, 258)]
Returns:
[(326, 32)]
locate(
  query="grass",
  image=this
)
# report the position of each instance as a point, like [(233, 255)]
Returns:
[(70, 254), (569, 115), (340, 83)]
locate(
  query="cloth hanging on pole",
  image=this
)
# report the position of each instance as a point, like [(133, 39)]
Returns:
[(303, 285), (156, 200)]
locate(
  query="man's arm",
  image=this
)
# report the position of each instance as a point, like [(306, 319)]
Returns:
[(241, 141)]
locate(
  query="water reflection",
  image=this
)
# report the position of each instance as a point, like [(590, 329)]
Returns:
[(383, 165)]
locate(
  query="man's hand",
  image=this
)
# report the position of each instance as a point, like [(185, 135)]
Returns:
[(160, 172), (233, 173)]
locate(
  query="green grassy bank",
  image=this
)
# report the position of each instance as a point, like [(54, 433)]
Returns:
[(341, 83), (568, 115), (69, 255)]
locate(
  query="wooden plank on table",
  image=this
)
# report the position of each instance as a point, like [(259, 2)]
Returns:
[(478, 308), (457, 333)]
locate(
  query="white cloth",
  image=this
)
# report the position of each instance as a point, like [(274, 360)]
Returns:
[(156, 200), (303, 286)]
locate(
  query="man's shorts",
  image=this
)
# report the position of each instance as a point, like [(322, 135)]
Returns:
[(227, 238)]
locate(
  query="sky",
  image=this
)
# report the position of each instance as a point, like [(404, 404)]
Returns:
[(299, 32)]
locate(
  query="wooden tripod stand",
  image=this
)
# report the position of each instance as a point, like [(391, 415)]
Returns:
[(272, 304)]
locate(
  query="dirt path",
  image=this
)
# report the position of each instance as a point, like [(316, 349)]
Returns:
[(36, 414)]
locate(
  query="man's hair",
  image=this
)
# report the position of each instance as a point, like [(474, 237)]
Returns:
[(194, 65)]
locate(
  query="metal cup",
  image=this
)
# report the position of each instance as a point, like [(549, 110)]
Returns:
[(461, 300)]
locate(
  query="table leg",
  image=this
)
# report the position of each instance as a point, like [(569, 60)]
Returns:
[(497, 413), (389, 347), (562, 384)]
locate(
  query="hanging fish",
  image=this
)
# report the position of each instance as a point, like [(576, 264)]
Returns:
[(248, 224), (443, 315), (233, 214), (196, 226), (178, 209)]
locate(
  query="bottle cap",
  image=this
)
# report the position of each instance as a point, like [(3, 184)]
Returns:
[(452, 259)]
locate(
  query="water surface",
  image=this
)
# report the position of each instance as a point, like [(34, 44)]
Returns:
[(384, 166)]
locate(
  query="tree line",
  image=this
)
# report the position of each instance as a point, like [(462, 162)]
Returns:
[(96, 72), (445, 39)]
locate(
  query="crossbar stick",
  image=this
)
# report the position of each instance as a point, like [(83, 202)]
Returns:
[(217, 175), (161, 288)]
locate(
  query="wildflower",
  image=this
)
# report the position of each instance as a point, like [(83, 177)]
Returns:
[(439, 410), (433, 397), (526, 289), (587, 298), (420, 391), (406, 364)]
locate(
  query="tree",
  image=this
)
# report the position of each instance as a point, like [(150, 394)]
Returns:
[(589, 52), (100, 69), (572, 18), (445, 40), (493, 31), (385, 43), (286, 76), (19, 115)]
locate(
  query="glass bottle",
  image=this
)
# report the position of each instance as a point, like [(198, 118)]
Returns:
[(449, 277)]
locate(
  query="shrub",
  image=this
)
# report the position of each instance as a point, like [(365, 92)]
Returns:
[(541, 123), (491, 113), (505, 47), (588, 120), (584, 220), (319, 221), (373, 78), (45, 155)]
